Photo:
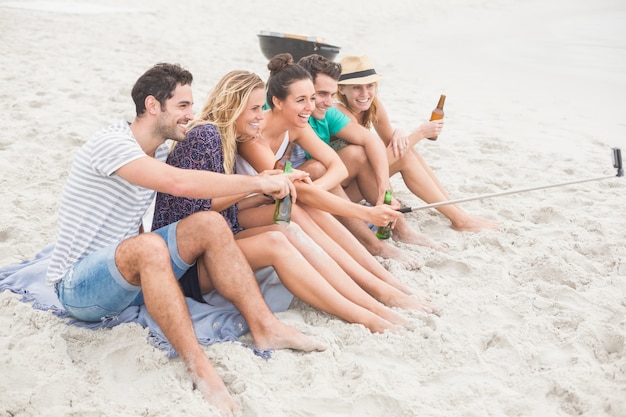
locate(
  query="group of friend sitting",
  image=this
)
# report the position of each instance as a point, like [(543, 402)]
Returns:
[(215, 192)]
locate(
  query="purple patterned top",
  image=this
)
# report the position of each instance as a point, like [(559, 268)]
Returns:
[(201, 149)]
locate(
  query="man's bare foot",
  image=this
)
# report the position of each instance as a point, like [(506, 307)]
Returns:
[(209, 383), (219, 398), (281, 336), (474, 224)]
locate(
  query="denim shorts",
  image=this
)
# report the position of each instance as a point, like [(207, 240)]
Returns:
[(93, 289)]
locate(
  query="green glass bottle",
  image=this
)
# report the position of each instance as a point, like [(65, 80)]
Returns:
[(384, 232), (282, 208)]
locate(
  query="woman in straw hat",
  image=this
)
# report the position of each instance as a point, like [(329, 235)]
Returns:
[(358, 85)]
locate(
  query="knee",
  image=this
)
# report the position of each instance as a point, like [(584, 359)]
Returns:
[(275, 238), (315, 168), (148, 246), (209, 222), (353, 155)]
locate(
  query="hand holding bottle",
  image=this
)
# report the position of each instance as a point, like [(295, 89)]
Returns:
[(431, 129), (384, 232), (277, 184), (437, 114)]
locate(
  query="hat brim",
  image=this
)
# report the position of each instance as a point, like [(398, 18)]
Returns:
[(361, 80)]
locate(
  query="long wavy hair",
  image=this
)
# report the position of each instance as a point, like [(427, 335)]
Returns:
[(226, 102)]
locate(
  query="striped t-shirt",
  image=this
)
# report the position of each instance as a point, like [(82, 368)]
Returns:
[(98, 207)]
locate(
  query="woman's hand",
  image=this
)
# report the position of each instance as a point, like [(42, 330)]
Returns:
[(399, 143), (383, 214), (431, 129), (306, 179), (278, 185)]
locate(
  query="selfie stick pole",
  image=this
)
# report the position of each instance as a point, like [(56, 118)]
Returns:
[(617, 164)]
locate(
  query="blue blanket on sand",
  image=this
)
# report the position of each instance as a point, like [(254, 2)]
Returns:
[(216, 321)]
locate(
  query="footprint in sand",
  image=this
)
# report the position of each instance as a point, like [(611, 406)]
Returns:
[(569, 401), (449, 266)]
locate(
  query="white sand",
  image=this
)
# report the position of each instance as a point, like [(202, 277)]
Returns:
[(533, 317)]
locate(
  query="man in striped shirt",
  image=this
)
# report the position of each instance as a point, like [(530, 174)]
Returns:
[(103, 263)]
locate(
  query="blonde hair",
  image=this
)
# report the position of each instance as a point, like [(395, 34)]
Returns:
[(225, 104), (369, 116)]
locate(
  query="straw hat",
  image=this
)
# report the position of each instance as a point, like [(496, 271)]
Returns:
[(357, 70)]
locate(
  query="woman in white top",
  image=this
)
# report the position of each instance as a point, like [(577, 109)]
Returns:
[(290, 95)]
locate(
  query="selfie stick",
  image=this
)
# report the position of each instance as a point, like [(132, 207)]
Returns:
[(617, 164)]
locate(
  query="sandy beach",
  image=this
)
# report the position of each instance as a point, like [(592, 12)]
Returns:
[(533, 317)]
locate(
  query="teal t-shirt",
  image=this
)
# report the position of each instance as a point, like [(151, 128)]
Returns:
[(334, 120)]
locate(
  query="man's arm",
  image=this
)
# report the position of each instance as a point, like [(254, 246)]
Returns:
[(150, 173), (336, 171), (323, 200)]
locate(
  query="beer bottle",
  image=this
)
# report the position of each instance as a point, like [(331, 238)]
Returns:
[(437, 113), (282, 206), (384, 232)]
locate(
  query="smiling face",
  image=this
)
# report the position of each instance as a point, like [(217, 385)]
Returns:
[(359, 97), (247, 124), (325, 89), (299, 104), (174, 116)]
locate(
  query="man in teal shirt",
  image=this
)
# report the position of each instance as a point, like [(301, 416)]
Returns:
[(364, 155)]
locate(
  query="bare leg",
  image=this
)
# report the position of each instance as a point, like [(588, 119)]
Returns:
[(402, 231), (202, 236), (383, 286), (359, 264), (144, 260), (372, 244), (269, 247), (423, 182), (364, 186), (353, 157)]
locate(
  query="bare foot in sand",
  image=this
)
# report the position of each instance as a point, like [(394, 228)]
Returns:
[(378, 324), (209, 383), (407, 260), (281, 336), (391, 317), (474, 224), (421, 302)]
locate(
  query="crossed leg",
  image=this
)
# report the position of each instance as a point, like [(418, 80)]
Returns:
[(144, 260)]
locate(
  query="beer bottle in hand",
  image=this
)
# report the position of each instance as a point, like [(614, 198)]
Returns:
[(282, 208), (384, 232), (437, 113)]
